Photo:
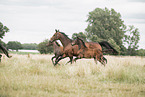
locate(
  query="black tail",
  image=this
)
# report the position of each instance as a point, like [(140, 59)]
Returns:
[(108, 46), (5, 51)]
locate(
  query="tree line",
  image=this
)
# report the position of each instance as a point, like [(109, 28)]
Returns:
[(103, 25)]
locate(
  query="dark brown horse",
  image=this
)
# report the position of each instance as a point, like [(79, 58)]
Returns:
[(57, 49), (68, 49), (4, 50), (85, 52)]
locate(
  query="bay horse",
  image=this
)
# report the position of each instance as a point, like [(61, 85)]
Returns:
[(68, 49), (85, 52), (4, 50), (57, 49)]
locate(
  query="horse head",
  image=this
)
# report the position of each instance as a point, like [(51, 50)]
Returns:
[(76, 41), (55, 36)]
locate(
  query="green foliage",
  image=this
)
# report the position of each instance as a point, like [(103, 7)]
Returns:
[(132, 40), (106, 24), (141, 52), (43, 49), (30, 46), (14, 45), (80, 34), (3, 30), (3, 43), (95, 38)]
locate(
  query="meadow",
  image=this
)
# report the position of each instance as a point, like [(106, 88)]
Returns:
[(35, 76)]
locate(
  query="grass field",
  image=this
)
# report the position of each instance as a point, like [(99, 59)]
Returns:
[(35, 76)]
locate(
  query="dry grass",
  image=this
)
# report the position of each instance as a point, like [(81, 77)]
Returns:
[(21, 76)]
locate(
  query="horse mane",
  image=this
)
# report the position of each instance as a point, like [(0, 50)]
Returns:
[(57, 43), (64, 34), (82, 42)]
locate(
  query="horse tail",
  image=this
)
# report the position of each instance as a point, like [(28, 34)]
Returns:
[(108, 46), (5, 51)]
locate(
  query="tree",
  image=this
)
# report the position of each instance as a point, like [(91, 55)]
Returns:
[(141, 52), (3, 30), (132, 40), (43, 49), (3, 43), (105, 24), (30, 46), (80, 34), (14, 45)]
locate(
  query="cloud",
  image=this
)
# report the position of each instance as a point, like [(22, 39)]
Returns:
[(137, 16), (136, 1)]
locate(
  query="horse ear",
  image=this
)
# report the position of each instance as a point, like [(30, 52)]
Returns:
[(55, 30)]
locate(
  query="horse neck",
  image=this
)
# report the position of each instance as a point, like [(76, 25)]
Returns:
[(65, 40), (55, 46)]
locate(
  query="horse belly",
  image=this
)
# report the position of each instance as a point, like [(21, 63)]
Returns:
[(88, 55)]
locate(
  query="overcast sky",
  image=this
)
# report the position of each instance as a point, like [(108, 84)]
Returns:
[(32, 21)]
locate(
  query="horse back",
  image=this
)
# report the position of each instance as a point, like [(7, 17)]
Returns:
[(93, 45), (71, 50)]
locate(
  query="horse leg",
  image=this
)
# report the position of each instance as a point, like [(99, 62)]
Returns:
[(56, 61), (57, 58), (95, 59), (71, 59), (76, 58), (52, 59), (105, 59), (0, 57)]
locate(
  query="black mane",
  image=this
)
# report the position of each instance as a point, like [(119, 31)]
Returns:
[(65, 35), (57, 43), (82, 42)]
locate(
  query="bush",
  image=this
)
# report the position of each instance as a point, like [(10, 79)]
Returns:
[(43, 49)]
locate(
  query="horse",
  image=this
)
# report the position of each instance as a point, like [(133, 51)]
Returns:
[(85, 52), (68, 49), (4, 50), (57, 49)]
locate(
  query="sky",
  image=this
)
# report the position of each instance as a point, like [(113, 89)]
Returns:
[(33, 21)]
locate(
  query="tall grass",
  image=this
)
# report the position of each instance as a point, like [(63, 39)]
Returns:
[(34, 75)]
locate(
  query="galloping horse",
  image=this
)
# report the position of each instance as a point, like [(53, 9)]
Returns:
[(57, 49), (68, 49), (4, 50), (85, 52)]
